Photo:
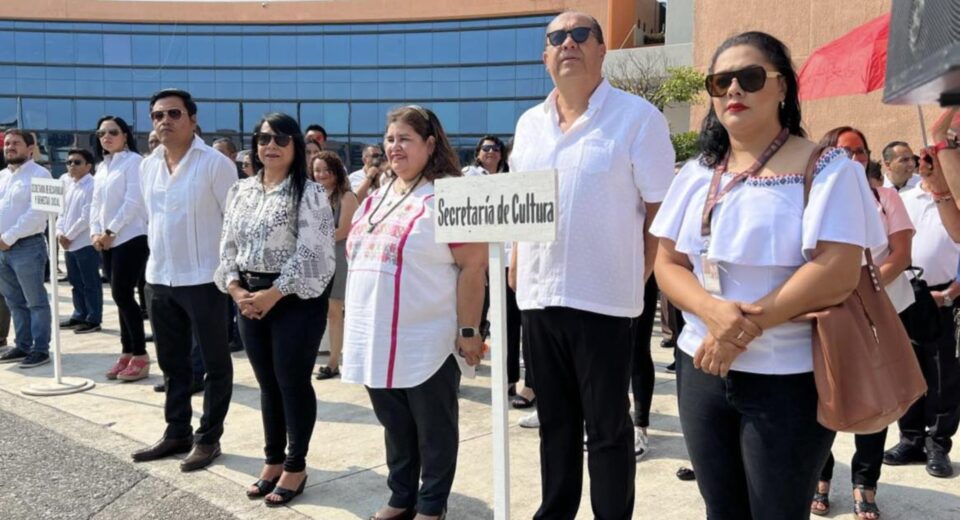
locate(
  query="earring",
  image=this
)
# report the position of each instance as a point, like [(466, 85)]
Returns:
[(782, 104)]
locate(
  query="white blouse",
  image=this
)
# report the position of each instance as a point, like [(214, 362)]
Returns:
[(264, 232), (401, 298), (760, 236), (117, 198)]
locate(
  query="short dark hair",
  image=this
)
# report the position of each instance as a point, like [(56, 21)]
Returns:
[(87, 156), (124, 127), (26, 135), (316, 128), (227, 141), (175, 92), (888, 150)]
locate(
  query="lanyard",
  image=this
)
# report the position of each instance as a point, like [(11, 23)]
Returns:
[(715, 193)]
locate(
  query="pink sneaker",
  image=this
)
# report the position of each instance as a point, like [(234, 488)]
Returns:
[(139, 368), (118, 367)]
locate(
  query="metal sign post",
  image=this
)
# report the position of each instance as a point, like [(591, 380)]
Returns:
[(47, 196), (515, 207)]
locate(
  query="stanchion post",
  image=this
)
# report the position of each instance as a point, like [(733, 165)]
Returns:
[(498, 382), (54, 295)]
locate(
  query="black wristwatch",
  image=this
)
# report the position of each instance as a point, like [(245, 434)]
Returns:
[(468, 332), (109, 233)]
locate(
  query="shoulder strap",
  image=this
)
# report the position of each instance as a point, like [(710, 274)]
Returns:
[(809, 171)]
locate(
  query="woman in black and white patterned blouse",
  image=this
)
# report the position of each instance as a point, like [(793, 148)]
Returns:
[(276, 259)]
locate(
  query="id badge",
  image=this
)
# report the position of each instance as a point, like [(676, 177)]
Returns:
[(710, 276)]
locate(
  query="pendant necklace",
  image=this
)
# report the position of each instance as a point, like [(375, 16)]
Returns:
[(389, 189)]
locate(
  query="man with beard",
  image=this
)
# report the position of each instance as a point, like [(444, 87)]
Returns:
[(23, 253)]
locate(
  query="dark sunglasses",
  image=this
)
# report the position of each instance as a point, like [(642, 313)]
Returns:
[(174, 114), (490, 148), (76, 162), (750, 79), (579, 35), (282, 140), (103, 133)]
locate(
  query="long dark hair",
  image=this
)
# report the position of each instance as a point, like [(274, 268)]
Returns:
[(443, 162), (714, 140), (283, 124), (340, 172), (502, 166), (124, 127)]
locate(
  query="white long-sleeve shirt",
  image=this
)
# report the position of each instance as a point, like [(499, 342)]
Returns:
[(17, 219), (117, 203), (185, 213), (74, 222)]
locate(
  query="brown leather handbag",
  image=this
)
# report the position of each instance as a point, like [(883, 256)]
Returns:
[(866, 372)]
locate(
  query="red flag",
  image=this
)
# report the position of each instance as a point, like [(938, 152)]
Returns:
[(855, 63)]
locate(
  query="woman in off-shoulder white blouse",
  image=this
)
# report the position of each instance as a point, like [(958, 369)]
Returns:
[(276, 260)]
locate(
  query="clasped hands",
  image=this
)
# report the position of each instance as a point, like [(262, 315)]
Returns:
[(254, 305), (730, 330), (102, 242)]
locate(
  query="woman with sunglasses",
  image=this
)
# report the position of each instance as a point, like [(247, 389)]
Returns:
[(489, 157), (742, 255), (891, 260), (276, 259), (118, 229), (412, 316), (328, 171)]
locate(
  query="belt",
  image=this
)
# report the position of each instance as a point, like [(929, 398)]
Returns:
[(253, 281), (24, 239)]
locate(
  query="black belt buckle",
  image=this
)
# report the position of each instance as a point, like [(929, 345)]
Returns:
[(256, 282)]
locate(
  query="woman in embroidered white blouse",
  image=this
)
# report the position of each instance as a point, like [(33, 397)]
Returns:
[(743, 271), (412, 305), (276, 259)]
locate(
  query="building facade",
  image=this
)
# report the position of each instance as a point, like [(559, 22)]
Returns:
[(341, 64)]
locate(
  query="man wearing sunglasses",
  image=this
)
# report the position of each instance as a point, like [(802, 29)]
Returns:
[(580, 295), (185, 184)]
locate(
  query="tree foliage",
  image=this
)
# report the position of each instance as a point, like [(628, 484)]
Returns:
[(684, 145), (653, 78)]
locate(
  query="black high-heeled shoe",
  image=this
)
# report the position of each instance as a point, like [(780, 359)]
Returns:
[(264, 488), (286, 495)]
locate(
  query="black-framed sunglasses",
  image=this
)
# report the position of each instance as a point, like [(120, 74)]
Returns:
[(103, 133), (174, 114), (490, 148), (75, 162), (750, 79), (263, 139), (579, 35)]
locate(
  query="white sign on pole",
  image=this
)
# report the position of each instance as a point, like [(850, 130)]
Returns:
[(496, 209), (47, 196)]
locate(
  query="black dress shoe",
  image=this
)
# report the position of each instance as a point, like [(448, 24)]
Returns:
[(163, 448), (938, 464), (201, 457), (902, 454), (160, 388)]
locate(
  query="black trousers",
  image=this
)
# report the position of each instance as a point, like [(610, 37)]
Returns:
[(177, 315), (422, 435), (866, 463), (124, 267), (642, 378), (932, 421), (754, 441), (282, 348), (581, 365), (513, 333)]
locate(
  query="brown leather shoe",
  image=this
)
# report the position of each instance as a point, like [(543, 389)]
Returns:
[(163, 448), (201, 457)]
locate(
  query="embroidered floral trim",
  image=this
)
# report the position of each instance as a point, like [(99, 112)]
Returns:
[(796, 178)]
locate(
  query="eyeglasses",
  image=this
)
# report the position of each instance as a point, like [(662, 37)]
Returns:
[(750, 79), (282, 140), (855, 151), (579, 35), (75, 162), (174, 114), (103, 133), (490, 148)]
